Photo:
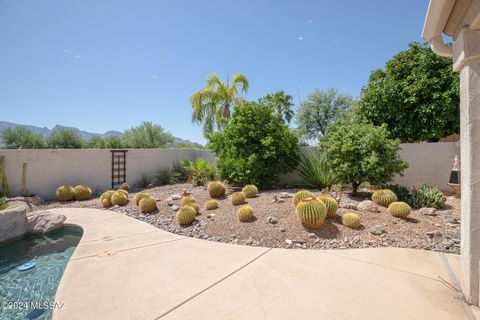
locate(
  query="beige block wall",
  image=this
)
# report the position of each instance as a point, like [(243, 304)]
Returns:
[(429, 163), (50, 168)]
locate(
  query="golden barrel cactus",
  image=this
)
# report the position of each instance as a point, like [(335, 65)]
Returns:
[(139, 196), (119, 199), (65, 193), (300, 195), (82, 192), (187, 200), (351, 220), (106, 198), (147, 205), (211, 205), (250, 191), (124, 186), (311, 212), (331, 204), (124, 192), (195, 206), (399, 209), (185, 215), (216, 189), (245, 213), (237, 198), (384, 197)]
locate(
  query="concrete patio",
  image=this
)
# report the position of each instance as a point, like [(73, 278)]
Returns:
[(126, 269)]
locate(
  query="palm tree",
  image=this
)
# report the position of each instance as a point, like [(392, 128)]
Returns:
[(281, 104), (212, 105)]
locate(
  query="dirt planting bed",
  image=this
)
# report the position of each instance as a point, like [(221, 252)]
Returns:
[(275, 223)]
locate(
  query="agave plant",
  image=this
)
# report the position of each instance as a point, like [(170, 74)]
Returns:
[(200, 171), (314, 170)]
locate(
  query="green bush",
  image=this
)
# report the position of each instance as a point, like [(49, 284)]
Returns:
[(64, 138), (427, 196), (314, 170), (416, 96), (145, 181), (255, 147), (360, 152)]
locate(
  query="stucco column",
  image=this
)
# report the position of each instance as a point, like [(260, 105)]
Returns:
[(466, 56)]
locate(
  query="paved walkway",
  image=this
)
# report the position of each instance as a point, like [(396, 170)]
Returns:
[(126, 269)]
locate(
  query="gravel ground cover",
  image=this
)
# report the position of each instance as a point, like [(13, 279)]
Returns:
[(275, 224)]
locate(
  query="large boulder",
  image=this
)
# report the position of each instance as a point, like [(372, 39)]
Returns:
[(41, 222), (13, 222), (368, 205)]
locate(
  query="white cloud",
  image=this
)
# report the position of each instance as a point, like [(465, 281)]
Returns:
[(300, 38), (77, 56), (154, 77), (309, 21)]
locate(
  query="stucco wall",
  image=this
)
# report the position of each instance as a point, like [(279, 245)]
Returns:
[(47, 169), (430, 163)]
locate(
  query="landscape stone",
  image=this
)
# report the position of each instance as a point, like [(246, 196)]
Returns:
[(41, 222), (377, 230), (368, 205)]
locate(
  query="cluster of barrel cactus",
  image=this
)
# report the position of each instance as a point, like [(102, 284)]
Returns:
[(216, 189), (211, 204), (250, 191), (238, 198), (351, 220), (190, 208), (185, 215), (245, 213), (384, 197), (69, 193), (399, 209), (331, 204), (311, 212), (300, 195)]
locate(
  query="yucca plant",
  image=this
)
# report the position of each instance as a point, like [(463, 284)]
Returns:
[(164, 177), (145, 181), (314, 170)]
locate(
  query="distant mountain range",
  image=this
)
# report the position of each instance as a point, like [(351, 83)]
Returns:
[(82, 134)]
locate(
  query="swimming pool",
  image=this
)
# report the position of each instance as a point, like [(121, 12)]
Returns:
[(30, 294)]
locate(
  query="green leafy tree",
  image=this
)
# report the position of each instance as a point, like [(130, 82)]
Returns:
[(212, 105), (185, 145), (416, 96), (147, 135), (361, 152), (255, 147), (281, 103), (64, 138), (21, 138), (321, 109), (112, 142)]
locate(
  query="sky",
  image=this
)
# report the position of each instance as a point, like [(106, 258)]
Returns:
[(111, 64)]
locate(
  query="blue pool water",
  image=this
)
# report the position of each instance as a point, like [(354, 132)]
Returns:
[(30, 294)]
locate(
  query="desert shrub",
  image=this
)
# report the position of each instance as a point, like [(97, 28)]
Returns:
[(64, 138), (179, 173), (416, 96), (427, 196), (314, 170), (21, 138), (255, 147), (164, 177), (145, 181), (199, 171), (360, 152)]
